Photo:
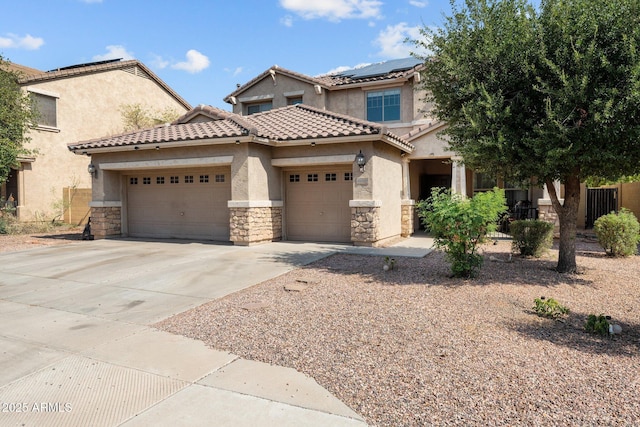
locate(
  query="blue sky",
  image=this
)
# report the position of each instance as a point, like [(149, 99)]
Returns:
[(203, 48)]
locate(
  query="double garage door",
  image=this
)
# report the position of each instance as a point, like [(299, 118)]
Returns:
[(186, 204), (317, 204)]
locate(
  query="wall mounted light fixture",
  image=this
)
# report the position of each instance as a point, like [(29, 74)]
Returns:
[(92, 169), (361, 161)]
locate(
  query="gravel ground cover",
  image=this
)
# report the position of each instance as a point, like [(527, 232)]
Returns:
[(20, 242), (412, 346)]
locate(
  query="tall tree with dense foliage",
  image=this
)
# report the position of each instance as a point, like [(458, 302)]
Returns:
[(16, 117), (551, 93)]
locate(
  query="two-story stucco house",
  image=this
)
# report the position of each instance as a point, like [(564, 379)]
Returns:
[(337, 158), (77, 103), (387, 93)]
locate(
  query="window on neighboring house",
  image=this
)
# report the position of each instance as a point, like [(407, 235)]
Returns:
[(47, 106), (258, 108), (383, 105), (294, 100)]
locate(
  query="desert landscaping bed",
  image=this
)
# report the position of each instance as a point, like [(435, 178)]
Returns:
[(57, 236), (412, 346)]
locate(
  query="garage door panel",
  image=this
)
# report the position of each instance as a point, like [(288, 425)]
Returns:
[(188, 205), (317, 204)]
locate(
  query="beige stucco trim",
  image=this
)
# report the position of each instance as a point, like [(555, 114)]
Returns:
[(256, 98), (409, 202), (365, 203), (42, 91), (105, 204), (316, 160), (169, 164), (255, 204)]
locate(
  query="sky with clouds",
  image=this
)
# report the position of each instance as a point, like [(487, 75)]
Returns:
[(202, 49)]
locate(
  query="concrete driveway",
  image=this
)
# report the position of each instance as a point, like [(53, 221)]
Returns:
[(76, 348)]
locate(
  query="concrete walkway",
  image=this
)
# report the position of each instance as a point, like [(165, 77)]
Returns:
[(76, 348)]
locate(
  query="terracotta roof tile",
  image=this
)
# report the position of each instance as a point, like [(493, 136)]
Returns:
[(292, 123), (165, 133)]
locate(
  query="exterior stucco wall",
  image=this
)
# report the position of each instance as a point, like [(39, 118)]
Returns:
[(430, 145), (278, 92), (353, 102), (88, 107), (387, 187)]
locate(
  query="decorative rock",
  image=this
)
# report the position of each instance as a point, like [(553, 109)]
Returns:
[(295, 288), (254, 306)]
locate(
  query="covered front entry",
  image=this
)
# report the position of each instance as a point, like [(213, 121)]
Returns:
[(186, 204), (317, 203)]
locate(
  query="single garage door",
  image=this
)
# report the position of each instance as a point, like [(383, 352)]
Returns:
[(317, 204), (189, 204)]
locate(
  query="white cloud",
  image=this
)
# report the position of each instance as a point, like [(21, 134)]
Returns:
[(391, 40), (334, 10), (159, 62), (114, 52), (287, 21), (195, 62), (418, 3), (342, 68), (28, 42), (234, 72)]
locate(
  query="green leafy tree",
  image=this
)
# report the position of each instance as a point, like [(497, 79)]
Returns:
[(136, 116), (459, 225), (16, 117), (550, 93)]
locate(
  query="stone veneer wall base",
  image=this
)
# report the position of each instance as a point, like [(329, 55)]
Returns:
[(365, 223), (408, 217), (547, 213), (254, 225), (106, 221)]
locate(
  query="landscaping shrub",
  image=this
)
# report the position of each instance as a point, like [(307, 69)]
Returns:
[(618, 233), (459, 225), (549, 308), (531, 237), (597, 324)]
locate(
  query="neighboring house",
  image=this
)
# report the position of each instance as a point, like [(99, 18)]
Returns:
[(294, 173), (77, 103)]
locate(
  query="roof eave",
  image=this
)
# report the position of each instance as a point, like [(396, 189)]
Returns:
[(80, 150)]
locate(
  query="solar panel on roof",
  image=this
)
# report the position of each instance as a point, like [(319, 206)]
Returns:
[(382, 68)]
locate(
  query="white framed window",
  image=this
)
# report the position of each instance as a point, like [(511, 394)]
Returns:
[(330, 177), (174, 180), (47, 106), (312, 177), (188, 179), (146, 180), (159, 179), (204, 179), (219, 178), (348, 176), (294, 178), (383, 105)]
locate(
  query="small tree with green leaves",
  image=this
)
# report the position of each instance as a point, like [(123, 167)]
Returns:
[(547, 89), (17, 115), (136, 116), (459, 225)]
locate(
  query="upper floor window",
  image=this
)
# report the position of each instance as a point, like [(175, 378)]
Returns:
[(258, 108), (383, 105), (294, 100), (47, 106)]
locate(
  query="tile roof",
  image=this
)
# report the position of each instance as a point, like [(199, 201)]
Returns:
[(288, 124), (99, 67), (266, 73), (22, 70), (378, 72)]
